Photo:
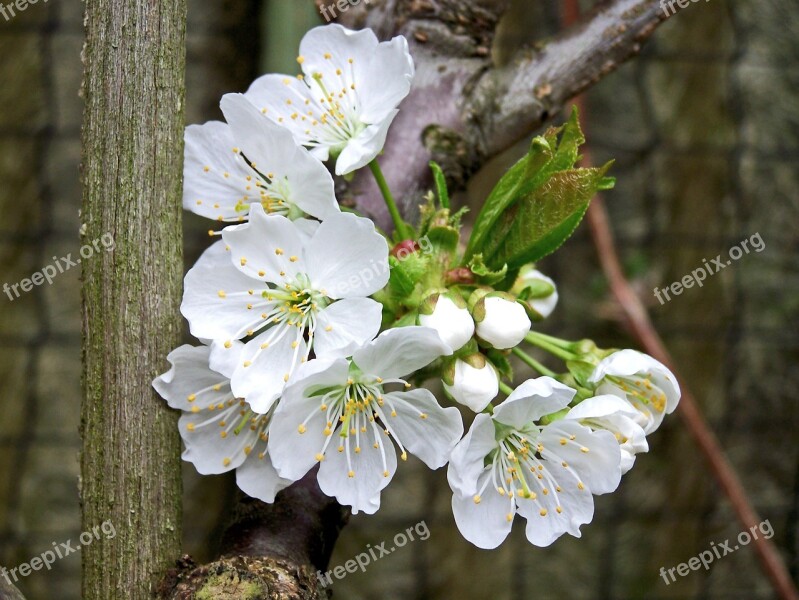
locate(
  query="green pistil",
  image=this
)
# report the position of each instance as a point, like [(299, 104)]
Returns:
[(244, 421)]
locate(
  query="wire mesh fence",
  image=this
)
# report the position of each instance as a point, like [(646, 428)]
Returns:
[(704, 127)]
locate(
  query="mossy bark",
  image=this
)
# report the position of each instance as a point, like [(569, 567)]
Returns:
[(134, 59)]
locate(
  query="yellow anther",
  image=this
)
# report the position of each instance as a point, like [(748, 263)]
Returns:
[(351, 474), (279, 251), (584, 450), (286, 377), (563, 441), (223, 434), (190, 426), (319, 457), (404, 455), (385, 473), (191, 397), (477, 498), (580, 486), (543, 512), (247, 363), (301, 428), (222, 294), (226, 462), (293, 258), (195, 409)]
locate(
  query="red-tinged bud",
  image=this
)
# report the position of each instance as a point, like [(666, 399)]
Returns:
[(404, 249), (459, 275)]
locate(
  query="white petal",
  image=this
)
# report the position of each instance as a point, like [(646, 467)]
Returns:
[(347, 257), (532, 400), (467, 458), (545, 523), (215, 297), (399, 352), (188, 376), (294, 453), (627, 363), (364, 148), (214, 176), (371, 476), (273, 150), (431, 438), (211, 443), (266, 245), (485, 524), (601, 406), (340, 44), (225, 359), (262, 373), (258, 478), (345, 326), (594, 455), (385, 79), (271, 95)]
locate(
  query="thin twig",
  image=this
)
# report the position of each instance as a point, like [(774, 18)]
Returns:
[(641, 326)]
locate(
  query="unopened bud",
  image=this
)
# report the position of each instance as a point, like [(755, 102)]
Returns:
[(472, 381), (448, 315), (538, 292), (501, 321)]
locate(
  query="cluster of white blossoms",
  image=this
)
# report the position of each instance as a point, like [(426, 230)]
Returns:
[(315, 332)]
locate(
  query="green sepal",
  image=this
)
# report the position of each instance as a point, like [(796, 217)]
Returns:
[(500, 360), (441, 184), (486, 276)]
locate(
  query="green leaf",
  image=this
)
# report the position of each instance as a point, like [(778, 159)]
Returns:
[(539, 202), (538, 224), (441, 184)]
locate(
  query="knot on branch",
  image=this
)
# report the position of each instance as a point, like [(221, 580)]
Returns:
[(245, 578), (453, 152)]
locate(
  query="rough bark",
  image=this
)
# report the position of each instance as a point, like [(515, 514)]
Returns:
[(269, 551), (134, 58), (8, 591)]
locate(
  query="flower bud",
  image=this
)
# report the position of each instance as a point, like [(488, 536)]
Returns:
[(501, 321), (538, 292), (472, 381), (448, 315)]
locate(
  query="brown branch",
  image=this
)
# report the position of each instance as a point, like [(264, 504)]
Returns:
[(462, 111), (268, 550)]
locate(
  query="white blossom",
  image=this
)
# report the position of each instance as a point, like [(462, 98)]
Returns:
[(509, 463), (229, 166), (344, 414), (343, 104), (220, 432), (643, 381), (287, 295)]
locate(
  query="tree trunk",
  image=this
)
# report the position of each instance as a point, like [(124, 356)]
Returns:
[(134, 59)]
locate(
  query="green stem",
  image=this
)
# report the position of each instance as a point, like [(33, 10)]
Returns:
[(544, 344), (533, 363), (505, 388), (399, 224), (565, 344)]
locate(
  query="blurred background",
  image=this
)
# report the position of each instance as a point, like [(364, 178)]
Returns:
[(704, 127)]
